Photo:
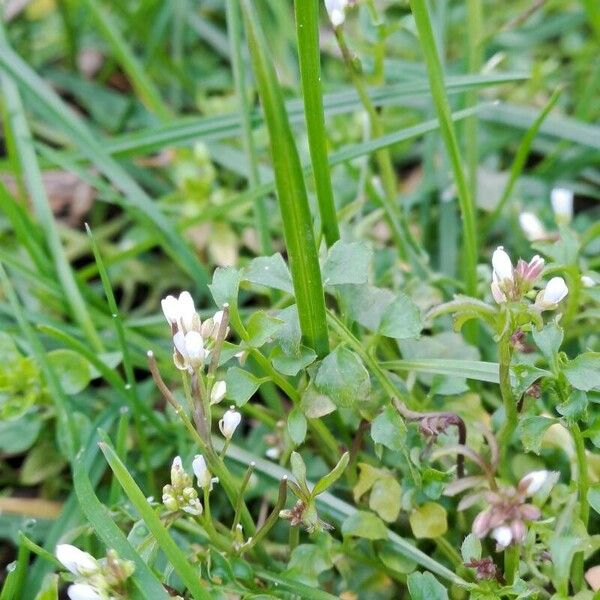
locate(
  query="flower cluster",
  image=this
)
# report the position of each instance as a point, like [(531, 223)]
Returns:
[(510, 284), (192, 338), (505, 518), (180, 494), (104, 579)]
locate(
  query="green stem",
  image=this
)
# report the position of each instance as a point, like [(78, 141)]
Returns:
[(307, 31), (294, 537), (510, 406), (234, 31), (447, 130), (583, 481), (511, 563)]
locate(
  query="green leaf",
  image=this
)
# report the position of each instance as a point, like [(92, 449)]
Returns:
[(225, 285), (270, 271), (328, 480), (549, 339), (183, 567), (401, 319), (429, 521), (424, 586), (347, 263), (241, 385), (531, 430), (41, 463), (593, 497), (308, 561), (366, 304), (366, 525), (343, 377), (471, 548), (72, 369), (292, 364), (389, 429), (385, 498), (523, 376), (314, 404), (296, 425), (575, 408), (262, 328), (393, 560), (368, 475), (17, 435), (288, 336), (562, 551), (299, 471), (8, 349), (49, 590), (583, 372)]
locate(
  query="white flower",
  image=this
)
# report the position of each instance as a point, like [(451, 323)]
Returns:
[(181, 311), (502, 265), (503, 535), (336, 9), (587, 281), (191, 348), (533, 482), (497, 293), (218, 392), (75, 560), (201, 471), (228, 424), (532, 226), (83, 591), (273, 453), (562, 204), (556, 289)]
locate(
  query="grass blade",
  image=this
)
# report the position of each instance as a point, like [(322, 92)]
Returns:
[(521, 157), (307, 31), (234, 31), (33, 180), (146, 90), (180, 563), (440, 99), (136, 199), (109, 532), (291, 192)]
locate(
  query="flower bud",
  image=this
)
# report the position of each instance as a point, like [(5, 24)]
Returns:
[(218, 392), (170, 308), (179, 478), (336, 9), (555, 290), (503, 536), (190, 352), (587, 281), (533, 482), (532, 227), (502, 265), (75, 560), (83, 591), (187, 311), (228, 424), (518, 530), (201, 471), (562, 204)]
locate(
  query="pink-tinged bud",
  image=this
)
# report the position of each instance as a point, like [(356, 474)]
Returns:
[(503, 536), (518, 530), (481, 524), (529, 512)]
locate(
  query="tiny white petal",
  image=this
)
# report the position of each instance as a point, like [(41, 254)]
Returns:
[(502, 265), (179, 343), (187, 310), (273, 453), (503, 535), (170, 308), (556, 289), (587, 281), (532, 226), (218, 392), (75, 560), (83, 591), (229, 423), (194, 347), (201, 471), (336, 9), (535, 481), (562, 203)]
